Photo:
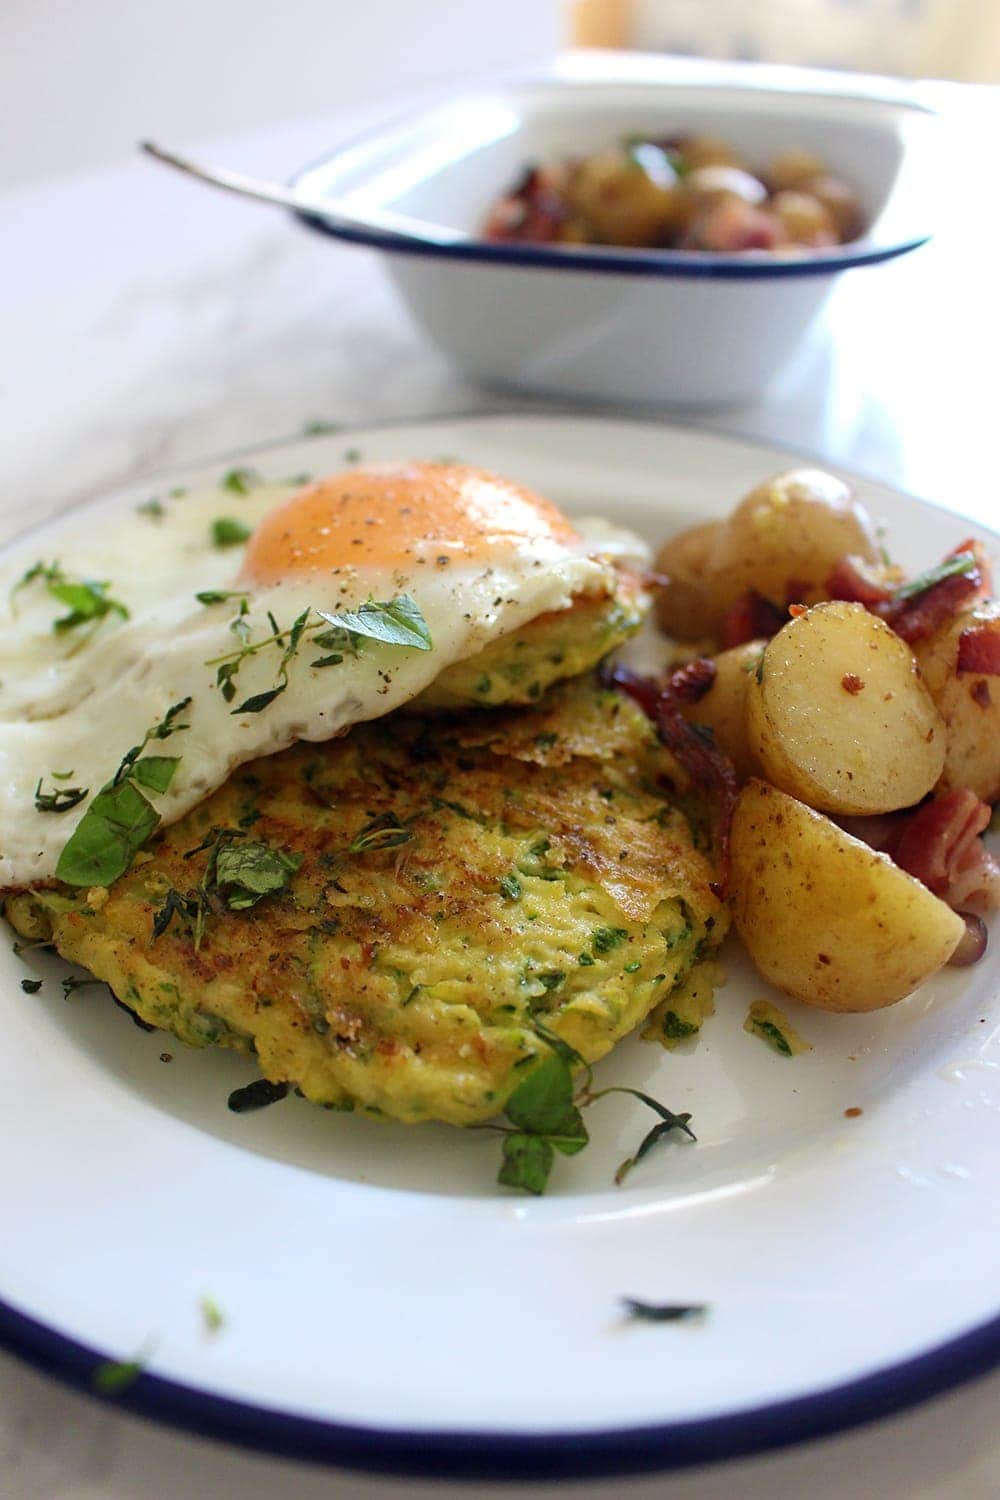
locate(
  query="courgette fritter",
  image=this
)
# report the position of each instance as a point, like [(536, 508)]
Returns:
[(463, 886), (521, 666)]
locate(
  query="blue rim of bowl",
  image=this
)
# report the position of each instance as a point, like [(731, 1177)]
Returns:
[(497, 1455), (702, 265), (491, 1455)]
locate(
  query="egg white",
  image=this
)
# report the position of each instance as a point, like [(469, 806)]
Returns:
[(78, 701)]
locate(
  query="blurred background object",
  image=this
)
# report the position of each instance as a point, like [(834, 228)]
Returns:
[(82, 80), (956, 39)]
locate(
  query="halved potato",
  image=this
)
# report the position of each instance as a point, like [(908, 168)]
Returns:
[(784, 538), (968, 701), (684, 606), (839, 716), (724, 707), (824, 917)]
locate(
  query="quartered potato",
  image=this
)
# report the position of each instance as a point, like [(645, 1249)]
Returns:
[(724, 707), (684, 606), (839, 716), (968, 700), (823, 916), (785, 536)]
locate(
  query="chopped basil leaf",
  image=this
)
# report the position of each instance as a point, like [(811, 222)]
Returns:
[(108, 837), (86, 599), (606, 938), (113, 1377), (212, 1315), (240, 481), (662, 1312), (527, 1162), (255, 704), (256, 1095), (245, 873), (120, 819), (676, 1028), (155, 771), (229, 533), (396, 622), (218, 596), (61, 800)]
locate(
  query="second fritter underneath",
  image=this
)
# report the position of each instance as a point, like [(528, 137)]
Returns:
[(464, 886)]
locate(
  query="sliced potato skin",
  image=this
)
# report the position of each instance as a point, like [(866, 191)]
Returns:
[(839, 715), (969, 703), (724, 707), (684, 607), (824, 917)]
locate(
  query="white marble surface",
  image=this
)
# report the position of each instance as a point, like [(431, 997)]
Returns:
[(145, 323)]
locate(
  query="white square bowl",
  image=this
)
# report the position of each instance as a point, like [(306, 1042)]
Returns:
[(619, 324)]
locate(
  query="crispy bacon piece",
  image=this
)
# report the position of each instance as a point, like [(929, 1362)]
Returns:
[(692, 745), (853, 581), (751, 618), (914, 616), (979, 650), (533, 210), (940, 845), (920, 616)]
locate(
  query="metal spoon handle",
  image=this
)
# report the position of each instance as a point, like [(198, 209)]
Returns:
[(405, 230)]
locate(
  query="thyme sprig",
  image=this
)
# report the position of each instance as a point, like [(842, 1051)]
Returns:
[(393, 622)]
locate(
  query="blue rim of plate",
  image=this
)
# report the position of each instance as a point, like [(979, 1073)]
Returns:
[(704, 265), (497, 1455), (494, 1455)]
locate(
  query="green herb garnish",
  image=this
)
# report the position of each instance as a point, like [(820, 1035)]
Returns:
[(240, 481), (510, 887), (31, 986), (384, 832), (60, 800), (676, 1028), (120, 819), (113, 1377), (86, 599), (962, 562), (256, 1095), (229, 533), (219, 596), (662, 1312), (245, 873), (211, 1314), (606, 938), (396, 622), (152, 508), (544, 1112)]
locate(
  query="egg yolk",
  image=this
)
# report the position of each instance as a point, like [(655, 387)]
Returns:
[(399, 516)]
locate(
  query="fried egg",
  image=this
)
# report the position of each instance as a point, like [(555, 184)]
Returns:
[(229, 601)]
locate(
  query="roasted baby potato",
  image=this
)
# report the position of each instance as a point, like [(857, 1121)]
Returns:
[(823, 916), (782, 542), (968, 700), (629, 198), (839, 716), (724, 707), (684, 607), (784, 538)]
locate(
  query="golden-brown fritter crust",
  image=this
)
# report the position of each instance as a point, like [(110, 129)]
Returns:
[(461, 883)]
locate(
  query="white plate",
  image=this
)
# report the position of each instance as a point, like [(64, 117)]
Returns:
[(388, 1305)]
